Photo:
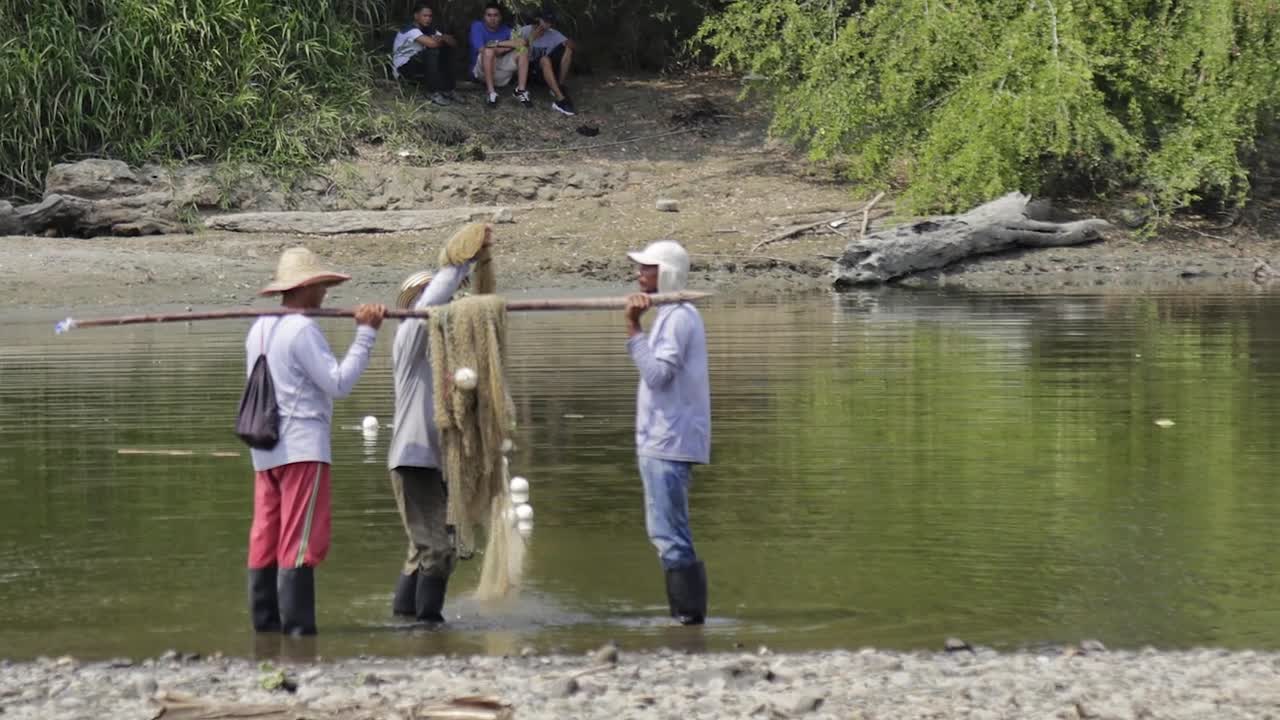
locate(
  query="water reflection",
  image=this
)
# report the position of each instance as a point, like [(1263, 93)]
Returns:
[(889, 468)]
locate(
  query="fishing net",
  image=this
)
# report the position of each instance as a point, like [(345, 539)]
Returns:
[(471, 333), (468, 244)]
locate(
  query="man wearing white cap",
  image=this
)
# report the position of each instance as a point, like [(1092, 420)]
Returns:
[(673, 420), (419, 487), (290, 533)]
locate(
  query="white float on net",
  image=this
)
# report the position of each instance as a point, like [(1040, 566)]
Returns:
[(465, 378)]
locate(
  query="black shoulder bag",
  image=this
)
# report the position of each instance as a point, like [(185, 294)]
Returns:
[(258, 424)]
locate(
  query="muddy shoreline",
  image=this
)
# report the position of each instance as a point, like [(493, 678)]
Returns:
[(226, 269)]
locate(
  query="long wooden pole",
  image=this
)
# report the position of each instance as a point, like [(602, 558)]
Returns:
[(604, 303)]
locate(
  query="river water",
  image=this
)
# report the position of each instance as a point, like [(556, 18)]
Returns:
[(889, 469)]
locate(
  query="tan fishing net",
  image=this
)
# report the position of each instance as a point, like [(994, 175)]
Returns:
[(471, 333), (468, 244)]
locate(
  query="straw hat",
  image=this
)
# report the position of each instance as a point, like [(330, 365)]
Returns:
[(299, 267), (410, 288), (414, 284)]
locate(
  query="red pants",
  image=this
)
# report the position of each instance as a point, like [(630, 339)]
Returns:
[(290, 516)]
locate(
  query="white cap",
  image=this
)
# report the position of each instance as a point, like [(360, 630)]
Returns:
[(672, 262)]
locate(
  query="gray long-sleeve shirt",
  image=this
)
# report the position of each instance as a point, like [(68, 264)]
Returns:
[(414, 440), (673, 404)]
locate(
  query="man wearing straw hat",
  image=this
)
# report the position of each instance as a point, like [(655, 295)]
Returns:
[(673, 420), (420, 490), (290, 533)]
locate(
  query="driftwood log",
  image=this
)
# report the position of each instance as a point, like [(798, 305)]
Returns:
[(1006, 223)]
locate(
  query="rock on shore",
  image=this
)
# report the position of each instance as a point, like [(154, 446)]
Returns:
[(1085, 682)]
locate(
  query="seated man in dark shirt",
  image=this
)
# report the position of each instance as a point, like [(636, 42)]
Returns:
[(420, 54)]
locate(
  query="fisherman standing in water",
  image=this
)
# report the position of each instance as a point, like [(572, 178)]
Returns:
[(673, 420), (290, 533), (420, 490)]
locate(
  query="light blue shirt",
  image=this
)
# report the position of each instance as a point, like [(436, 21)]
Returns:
[(673, 404)]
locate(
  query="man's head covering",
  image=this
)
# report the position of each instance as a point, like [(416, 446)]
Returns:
[(672, 262), (411, 288), (299, 267)]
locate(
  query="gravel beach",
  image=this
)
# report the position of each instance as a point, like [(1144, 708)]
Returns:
[(1073, 682)]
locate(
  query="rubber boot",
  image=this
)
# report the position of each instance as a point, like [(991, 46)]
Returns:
[(403, 603), (430, 598), (687, 593), (297, 588), (264, 609)]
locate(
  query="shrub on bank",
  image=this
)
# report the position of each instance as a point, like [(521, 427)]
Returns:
[(965, 100), (174, 79)]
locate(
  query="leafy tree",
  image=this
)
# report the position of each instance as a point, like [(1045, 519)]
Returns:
[(962, 100)]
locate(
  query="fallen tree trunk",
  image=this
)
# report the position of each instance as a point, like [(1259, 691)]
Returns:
[(1002, 224)]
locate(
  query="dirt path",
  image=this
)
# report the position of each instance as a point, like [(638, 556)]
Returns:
[(733, 187)]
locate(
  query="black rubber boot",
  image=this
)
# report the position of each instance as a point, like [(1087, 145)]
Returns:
[(430, 598), (687, 593), (406, 589), (297, 588), (264, 609)]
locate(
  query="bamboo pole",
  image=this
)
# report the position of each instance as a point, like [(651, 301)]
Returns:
[(604, 303)]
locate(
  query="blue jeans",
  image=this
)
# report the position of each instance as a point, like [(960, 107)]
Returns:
[(666, 510)]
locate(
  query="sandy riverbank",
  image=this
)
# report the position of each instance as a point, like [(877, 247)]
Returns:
[(1070, 683)]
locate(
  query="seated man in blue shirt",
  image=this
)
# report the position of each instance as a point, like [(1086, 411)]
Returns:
[(673, 420), (497, 54), (552, 53), (420, 53)]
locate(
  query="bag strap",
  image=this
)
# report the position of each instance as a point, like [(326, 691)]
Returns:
[(265, 340)]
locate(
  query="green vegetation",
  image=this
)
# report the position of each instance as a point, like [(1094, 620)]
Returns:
[(1171, 101), (153, 79), (278, 83), (962, 100)]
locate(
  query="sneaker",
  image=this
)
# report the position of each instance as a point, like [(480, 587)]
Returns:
[(439, 99), (523, 96), (453, 97), (564, 105), (492, 100)]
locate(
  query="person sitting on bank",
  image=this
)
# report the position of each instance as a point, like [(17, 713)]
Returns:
[(552, 54), (497, 54), (420, 54)]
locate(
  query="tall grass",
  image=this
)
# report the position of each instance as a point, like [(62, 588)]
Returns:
[(176, 79)]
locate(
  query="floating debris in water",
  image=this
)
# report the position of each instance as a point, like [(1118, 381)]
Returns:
[(1165, 423), (178, 453)]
